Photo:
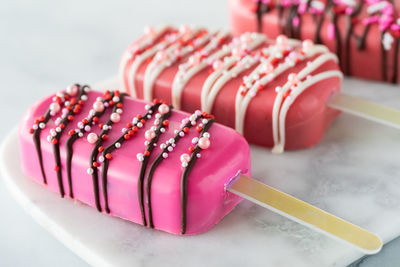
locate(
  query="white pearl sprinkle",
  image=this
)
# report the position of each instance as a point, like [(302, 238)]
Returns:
[(90, 171), (146, 143), (147, 107), (165, 155), (58, 129), (170, 148), (123, 130), (119, 111), (35, 127), (181, 134), (195, 140), (115, 99), (84, 97), (171, 140), (204, 121), (158, 115), (105, 127), (101, 158), (49, 138), (117, 145), (184, 164), (198, 155), (106, 104), (99, 98), (42, 125), (92, 112), (140, 125), (149, 116), (80, 134), (153, 128), (87, 128), (162, 130), (206, 134), (87, 89), (135, 120), (162, 146), (140, 156), (176, 131)]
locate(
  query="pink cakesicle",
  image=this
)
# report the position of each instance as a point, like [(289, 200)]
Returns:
[(142, 162), (365, 34), (149, 164), (274, 92)]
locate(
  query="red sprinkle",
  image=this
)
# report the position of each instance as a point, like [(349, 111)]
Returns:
[(85, 121), (143, 121), (101, 125), (100, 149), (127, 136), (62, 125), (31, 130), (199, 128), (104, 137), (165, 123), (54, 141), (57, 168), (185, 129), (108, 156), (71, 132), (191, 149), (70, 117), (95, 119), (119, 105), (147, 153), (156, 101), (95, 164)]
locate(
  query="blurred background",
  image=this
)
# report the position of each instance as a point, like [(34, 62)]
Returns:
[(47, 45)]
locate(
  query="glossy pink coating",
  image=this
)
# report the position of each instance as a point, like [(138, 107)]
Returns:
[(208, 201)]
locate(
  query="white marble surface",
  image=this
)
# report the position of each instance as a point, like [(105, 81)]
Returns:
[(46, 45)]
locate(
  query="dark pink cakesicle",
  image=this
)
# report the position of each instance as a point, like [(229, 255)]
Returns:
[(274, 92), (365, 34), (145, 163)]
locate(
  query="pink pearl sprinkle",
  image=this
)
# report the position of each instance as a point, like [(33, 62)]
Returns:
[(98, 106), (163, 109), (184, 29), (149, 135), (307, 44), (92, 138), (185, 158), (204, 143), (292, 77), (115, 117), (281, 40), (296, 21), (148, 30), (217, 65), (236, 52), (331, 31), (72, 90), (55, 107)]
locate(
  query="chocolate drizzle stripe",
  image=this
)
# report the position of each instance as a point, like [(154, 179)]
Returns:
[(36, 140), (285, 17), (56, 146), (95, 152), (184, 178), (69, 147), (110, 149), (152, 170), (145, 162)]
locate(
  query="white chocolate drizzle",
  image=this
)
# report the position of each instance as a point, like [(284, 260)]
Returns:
[(164, 59), (136, 52)]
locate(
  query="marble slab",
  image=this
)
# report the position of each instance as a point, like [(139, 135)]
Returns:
[(352, 173)]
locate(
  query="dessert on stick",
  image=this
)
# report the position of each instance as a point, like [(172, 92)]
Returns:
[(364, 34), (274, 92), (150, 164)]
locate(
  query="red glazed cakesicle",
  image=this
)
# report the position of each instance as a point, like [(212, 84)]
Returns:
[(365, 34), (161, 168), (142, 162), (273, 92)]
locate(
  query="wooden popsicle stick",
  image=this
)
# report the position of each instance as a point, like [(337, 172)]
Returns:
[(305, 214), (365, 109)]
